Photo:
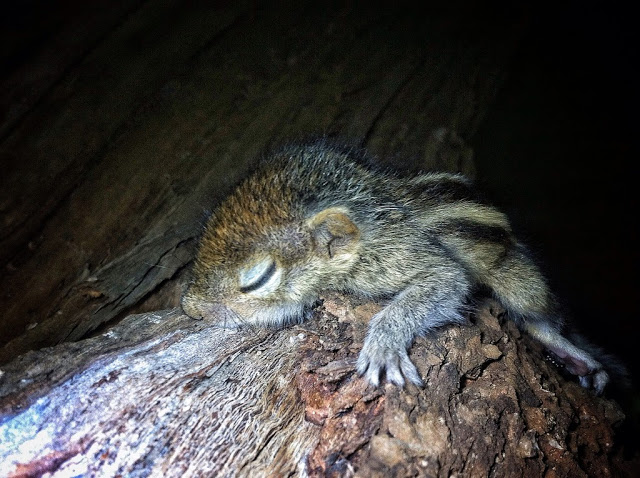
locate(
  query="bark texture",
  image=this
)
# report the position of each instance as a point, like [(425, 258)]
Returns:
[(163, 395)]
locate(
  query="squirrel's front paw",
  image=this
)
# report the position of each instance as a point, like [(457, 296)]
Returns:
[(377, 356)]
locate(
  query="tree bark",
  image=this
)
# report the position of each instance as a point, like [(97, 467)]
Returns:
[(161, 394)]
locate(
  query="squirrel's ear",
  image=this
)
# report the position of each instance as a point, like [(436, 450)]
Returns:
[(333, 232)]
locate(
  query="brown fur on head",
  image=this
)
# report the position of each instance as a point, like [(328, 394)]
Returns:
[(262, 261)]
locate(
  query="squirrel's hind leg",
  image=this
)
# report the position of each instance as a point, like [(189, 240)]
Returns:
[(576, 360)]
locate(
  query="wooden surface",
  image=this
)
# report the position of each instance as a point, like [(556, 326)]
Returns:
[(121, 130), (163, 395)]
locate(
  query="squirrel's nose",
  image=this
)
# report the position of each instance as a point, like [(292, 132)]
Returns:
[(192, 306), (214, 312)]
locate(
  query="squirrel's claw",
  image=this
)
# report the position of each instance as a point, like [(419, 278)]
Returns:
[(375, 357)]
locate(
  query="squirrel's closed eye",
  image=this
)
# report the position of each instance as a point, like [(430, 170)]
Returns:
[(263, 277)]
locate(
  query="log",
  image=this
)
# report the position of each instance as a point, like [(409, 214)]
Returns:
[(161, 394)]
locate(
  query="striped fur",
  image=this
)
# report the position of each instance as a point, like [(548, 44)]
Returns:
[(315, 217)]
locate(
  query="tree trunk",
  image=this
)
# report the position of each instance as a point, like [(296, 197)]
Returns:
[(161, 394)]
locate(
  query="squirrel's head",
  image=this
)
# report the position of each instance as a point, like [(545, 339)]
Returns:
[(262, 261)]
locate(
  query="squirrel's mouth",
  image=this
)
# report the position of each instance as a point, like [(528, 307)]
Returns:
[(214, 312), (236, 315)]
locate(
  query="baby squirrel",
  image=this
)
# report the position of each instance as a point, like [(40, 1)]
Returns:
[(315, 217)]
